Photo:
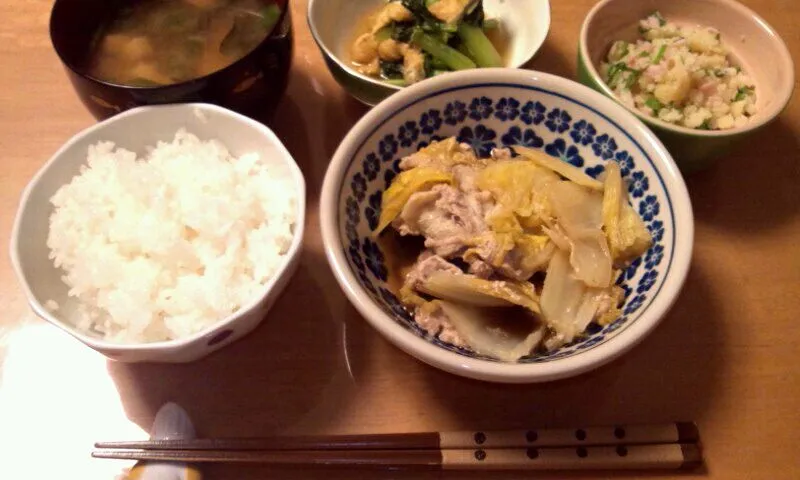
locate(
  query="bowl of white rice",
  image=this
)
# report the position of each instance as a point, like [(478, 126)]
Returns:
[(161, 234), (700, 73)]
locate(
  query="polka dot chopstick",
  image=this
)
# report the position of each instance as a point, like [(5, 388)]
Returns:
[(668, 446)]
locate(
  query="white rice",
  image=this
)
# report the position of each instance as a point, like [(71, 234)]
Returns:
[(159, 248), (681, 75)]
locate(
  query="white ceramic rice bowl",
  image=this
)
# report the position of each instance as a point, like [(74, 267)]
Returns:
[(134, 130)]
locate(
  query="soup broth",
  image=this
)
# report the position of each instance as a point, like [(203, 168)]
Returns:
[(501, 40), (162, 42)]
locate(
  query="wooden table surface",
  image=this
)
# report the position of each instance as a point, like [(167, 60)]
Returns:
[(727, 356)]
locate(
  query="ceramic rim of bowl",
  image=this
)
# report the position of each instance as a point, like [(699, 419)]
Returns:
[(761, 118), (111, 347), (482, 369), (374, 81)]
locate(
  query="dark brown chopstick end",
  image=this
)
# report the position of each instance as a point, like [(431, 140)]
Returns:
[(688, 432), (692, 456)]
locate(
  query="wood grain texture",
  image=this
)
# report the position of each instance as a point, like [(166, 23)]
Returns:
[(726, 356)]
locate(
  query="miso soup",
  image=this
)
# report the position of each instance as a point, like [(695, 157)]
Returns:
[(162, 42)]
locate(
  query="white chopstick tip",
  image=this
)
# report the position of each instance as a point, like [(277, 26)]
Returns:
[(172, 423)]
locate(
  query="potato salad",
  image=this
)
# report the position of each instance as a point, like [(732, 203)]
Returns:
[(682, 75)]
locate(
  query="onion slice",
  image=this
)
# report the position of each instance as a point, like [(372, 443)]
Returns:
[(492, 332)]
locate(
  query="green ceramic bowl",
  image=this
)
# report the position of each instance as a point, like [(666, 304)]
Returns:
[(332, 23), (754, 45)]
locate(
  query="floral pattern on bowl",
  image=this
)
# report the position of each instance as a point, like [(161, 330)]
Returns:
[(486, 117)]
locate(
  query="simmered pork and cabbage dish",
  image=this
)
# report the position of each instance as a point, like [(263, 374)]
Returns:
[(406, 41), (510, 255)]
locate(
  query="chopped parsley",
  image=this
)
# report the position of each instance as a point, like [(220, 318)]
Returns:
[(633, 77), (659, 54), (619, 50), (654, 104), (657, 15), (616, 73), (742, 93)]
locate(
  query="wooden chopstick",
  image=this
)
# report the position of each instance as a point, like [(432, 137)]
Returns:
[(681, 432), (661, 456)]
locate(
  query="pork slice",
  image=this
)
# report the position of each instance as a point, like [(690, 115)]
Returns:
[(427, 264), (511, 263), (447, 217), (465, 176), (430, 316), (480, 269), (436, 323), (418, 205)]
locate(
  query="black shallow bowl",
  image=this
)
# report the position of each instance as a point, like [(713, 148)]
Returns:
[(252, 86)]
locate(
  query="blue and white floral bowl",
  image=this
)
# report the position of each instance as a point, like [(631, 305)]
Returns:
[(487, 109)]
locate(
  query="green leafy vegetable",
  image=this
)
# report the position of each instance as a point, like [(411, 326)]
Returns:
[(402, 31), (491, 24), (451, 57), (479, 46), (428, 66), (270, 16), (392, 70), (437, 64), (458, 45), (384, 33)]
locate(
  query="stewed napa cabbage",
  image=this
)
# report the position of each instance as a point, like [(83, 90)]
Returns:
[(515, 253)]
